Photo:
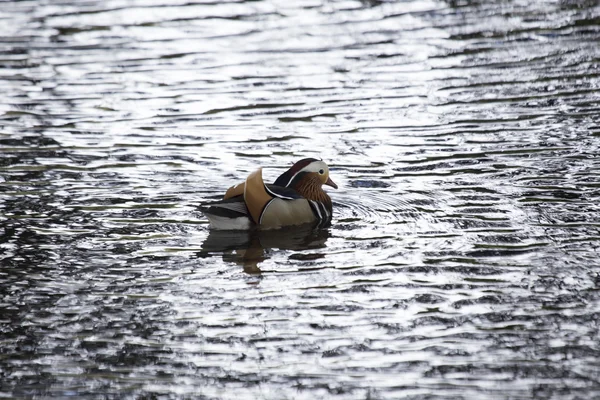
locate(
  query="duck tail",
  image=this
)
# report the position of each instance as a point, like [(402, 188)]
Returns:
[(227, 214)]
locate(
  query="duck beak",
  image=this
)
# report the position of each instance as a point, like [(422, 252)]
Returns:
[(331, 183)]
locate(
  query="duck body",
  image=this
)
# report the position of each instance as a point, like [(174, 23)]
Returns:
[(295, 198)]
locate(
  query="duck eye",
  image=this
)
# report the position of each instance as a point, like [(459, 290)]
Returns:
[(321, 172)]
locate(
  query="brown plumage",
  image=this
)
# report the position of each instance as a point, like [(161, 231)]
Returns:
[(311, 188)]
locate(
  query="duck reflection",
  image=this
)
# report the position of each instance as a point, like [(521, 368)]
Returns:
[(250, 248)]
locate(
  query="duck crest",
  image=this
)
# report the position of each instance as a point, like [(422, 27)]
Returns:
[(286, 178)]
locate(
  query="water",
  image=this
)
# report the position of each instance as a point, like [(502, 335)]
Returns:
[(462, 261)]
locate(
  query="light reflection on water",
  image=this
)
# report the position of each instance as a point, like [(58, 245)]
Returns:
[(462, 258)]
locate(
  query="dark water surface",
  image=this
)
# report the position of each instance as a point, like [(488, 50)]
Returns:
[(463, 260)]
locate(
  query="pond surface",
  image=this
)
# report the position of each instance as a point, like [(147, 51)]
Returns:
[(463, 257)]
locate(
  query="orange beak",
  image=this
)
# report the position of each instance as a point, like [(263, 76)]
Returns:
[(331, 183)]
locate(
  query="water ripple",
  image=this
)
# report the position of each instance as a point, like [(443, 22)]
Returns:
[(461, 261)]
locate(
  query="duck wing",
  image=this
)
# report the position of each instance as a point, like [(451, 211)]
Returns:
[(246, 202), (234, 206), (276, 190), (255, 195), (230, 214), (285, 193), (231, 208)]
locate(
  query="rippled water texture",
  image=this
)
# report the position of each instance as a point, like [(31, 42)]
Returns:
[(462, 261)]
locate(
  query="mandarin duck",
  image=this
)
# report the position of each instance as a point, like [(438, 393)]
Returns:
[(295, 198)]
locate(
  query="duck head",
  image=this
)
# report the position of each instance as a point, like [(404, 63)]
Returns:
[(307, 168)]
